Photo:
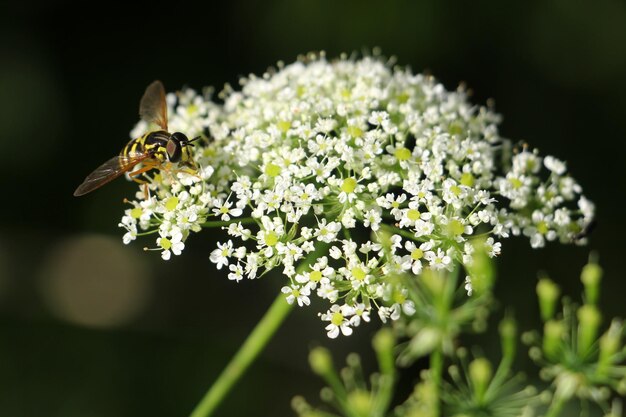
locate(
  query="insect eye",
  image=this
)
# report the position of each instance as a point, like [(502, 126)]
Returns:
[(173, 150), (180, 137)]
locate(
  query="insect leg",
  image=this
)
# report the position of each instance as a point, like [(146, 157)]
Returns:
[(140, 171), (135, 177)]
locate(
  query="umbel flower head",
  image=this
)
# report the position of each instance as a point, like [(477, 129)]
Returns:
[(386, 169)]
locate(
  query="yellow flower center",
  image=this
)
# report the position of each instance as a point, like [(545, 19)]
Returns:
[(467, 179), (271, 239), (337, 319), (171, 203), (272, 170), (413, 214), (165, 243), (283, 125), (354, 131), (542, 227), (358, 273), (515, 183), (455, 227), (402, 154), (136, 213), (348, 186), (315, 276)]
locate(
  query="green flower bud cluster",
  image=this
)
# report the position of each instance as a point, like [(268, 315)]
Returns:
[(577, 357)]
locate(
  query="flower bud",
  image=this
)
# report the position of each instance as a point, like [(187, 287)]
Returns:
[(383, 340), (426, 406), (321, 361), (359, 401), (480, 374), (300, 406), (327, 394), (590, 277), (567, 383), (508, 337), (426, 340), (383, 343), (609, 345), (588, 321), (553, 332), (548, 292)]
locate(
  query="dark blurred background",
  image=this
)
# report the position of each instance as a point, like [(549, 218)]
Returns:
[(91, 327)]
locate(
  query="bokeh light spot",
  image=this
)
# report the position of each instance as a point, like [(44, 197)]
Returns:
[(95, 281)]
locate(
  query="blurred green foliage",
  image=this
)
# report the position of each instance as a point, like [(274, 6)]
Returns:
[(69, 91)]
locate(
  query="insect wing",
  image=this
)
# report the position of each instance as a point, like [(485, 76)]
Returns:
[(108, 171), (153, 107)]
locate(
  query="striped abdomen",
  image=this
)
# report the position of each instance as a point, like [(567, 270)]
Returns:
[(152, 143)]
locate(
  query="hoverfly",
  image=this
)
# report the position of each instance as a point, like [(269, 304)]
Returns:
[(156, 149)]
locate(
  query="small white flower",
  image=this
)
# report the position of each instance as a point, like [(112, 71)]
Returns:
[(335, 252), (439, 259), (377, 118), (298, 294), (222, 209), (338, 316), (586, 207), (361, 312), (492, 248), (236, 272), (554, 165), (220, 255), (173, 244), (372, 220), (468, 286), (327, 232), (416, 254)]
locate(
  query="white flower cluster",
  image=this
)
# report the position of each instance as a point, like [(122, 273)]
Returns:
[(385, 168)]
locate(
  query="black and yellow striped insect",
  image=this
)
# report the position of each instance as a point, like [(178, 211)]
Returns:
[(156, 149)]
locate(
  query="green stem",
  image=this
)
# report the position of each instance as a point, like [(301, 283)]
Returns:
[(218, 223), (555, 408), (443, 305), (384, 343), (251, 348), (244, 357), (436, 373)]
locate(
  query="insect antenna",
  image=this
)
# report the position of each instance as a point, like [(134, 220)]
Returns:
[(189, 142)]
